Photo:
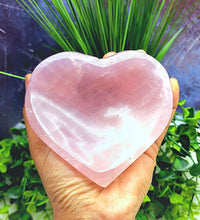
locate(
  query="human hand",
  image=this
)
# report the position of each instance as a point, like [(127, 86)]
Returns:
[(74, 196)]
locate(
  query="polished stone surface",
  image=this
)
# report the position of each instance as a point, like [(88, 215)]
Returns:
[(99, 114)]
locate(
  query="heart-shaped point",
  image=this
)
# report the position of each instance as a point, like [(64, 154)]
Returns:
[(99, 115)]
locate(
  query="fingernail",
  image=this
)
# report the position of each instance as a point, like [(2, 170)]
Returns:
[(141, 50), (174, 81), (111, 53), (27, 78)]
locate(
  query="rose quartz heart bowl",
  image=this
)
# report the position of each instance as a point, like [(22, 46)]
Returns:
[(99, 115)]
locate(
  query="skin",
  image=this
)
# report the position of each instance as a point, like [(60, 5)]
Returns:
[(74, 196)]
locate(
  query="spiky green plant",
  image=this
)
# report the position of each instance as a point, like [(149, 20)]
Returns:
[(97, 26), (12, 75)]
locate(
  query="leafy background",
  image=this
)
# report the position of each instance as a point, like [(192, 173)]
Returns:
[(174, 191)]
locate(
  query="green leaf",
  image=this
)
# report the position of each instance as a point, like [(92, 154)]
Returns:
[(26, 216), (15, 192), (17, 163), (187, 193), (15, 131), (20, 216), (185, 142), (6, 143), (28, 193), (163, 164), (180, 164), (191, 183), (146, 199), (181, 102), (42, 202), (12, 75), (176, 198), (4, 160), (177, 152), (178, 147), (191, 121), (197, 115), (15, 216), (166, 47), (166, 175), (198, 155), (28, 163), (31, 208), (188, 112), (4, 209), (174, 210), (39, 196), (151, 188), (195, 170), (2, 183), (3, 168), (187, 130), (164, 191), (141, 216)]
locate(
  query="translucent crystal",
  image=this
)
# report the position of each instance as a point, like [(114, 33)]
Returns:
[(99, 115)]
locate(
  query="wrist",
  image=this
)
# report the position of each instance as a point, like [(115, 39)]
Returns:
[(75, 213)]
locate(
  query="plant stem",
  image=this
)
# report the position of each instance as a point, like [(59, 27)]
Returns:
[(171, 139), (190, 206), (172, 134), (197, 197)]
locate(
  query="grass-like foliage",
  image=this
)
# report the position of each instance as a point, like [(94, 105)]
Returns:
[(12, 75), (96, 27)]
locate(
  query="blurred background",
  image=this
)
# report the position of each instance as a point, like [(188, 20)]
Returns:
[(22, 47)]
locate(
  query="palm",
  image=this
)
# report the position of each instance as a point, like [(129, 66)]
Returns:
[(62, 181)]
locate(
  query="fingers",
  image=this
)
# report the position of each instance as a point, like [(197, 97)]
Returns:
[(28, 128), (175, 89), (140, 50), (153, 150), (109, 54), (34, 141)]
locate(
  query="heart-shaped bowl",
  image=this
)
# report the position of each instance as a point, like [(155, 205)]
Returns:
[(99, 115)]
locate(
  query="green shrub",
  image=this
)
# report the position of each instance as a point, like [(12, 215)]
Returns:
[(20, 184), (175, 190)]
